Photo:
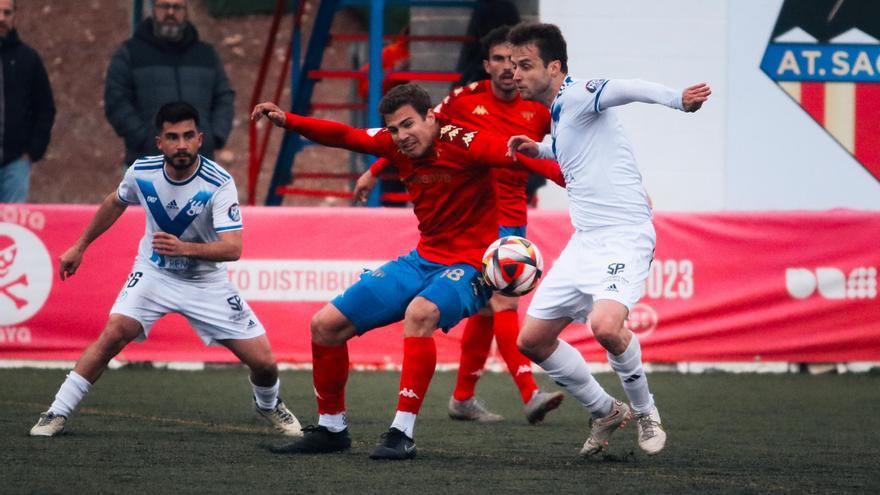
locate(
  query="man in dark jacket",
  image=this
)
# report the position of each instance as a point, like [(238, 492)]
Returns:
[(27, 109), (165, 61)]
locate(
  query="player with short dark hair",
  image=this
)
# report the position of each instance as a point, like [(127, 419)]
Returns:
[(445, 167), (493, 105), (193, 226), (602, 271)]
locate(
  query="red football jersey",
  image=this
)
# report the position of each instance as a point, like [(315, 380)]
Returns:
[(477, 107), (451, 189)]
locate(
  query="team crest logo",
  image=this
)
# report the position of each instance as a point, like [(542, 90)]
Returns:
[(25, 274), (825, 54), (234, 213)]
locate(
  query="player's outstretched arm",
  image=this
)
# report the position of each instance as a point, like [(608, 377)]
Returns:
[(227, 248), (618, 92), (321, 131), (109, 211)]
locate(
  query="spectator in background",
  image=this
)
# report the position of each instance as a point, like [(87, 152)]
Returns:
[(27, 109), (165, 61)]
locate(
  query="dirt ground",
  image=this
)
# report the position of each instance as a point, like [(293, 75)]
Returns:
[(76, 39)]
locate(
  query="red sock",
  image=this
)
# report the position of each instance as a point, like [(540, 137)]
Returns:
[(475, 344), (329, 375), (419, 361), (520, 367)]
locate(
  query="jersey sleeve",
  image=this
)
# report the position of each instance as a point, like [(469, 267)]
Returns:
[(623, 91), (369, 141), (126, 192), (225, 209)]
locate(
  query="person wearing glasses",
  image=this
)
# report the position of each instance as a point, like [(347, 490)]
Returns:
[(165, 61)]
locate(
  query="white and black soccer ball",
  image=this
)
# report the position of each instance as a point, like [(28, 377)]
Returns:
[(512, 265)]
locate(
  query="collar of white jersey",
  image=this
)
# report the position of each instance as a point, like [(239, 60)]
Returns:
[(565, 84), (184, 181)]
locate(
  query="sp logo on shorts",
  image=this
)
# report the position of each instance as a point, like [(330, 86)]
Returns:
[(234, 213), (235, 303), (25, 274), (825, 55), (616, 268)]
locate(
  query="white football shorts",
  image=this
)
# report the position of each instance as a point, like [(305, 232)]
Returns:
[(214, 309), (606, 263)]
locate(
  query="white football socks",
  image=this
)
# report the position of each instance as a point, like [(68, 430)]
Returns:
[(333, 422), (568, 368), (267, 397), (405, 422), (632, 376), (72, 391)]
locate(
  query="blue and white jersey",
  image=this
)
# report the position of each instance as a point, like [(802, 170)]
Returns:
[(195, 210), (603, 183)]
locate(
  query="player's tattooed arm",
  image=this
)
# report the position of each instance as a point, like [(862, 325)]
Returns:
[(109, 211)]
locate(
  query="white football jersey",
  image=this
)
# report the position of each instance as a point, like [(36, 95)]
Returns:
[(194, 210), (603, 183)]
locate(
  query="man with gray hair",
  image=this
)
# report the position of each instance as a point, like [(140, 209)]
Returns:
[(165, 61)]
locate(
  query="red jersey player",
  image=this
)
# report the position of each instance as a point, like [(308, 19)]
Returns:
[(494, 105), (446, 169)]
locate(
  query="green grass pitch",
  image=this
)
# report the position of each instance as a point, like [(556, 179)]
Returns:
[(160, 431)]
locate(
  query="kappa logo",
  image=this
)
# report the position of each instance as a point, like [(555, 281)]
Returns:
[(25, 274), (832, 283), (825, 54), (172, 205), (408, 393), (480, 110), (523, 369)]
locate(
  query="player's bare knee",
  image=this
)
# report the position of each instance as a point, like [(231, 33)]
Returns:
[(330, 328), (608, 330), (532, 345), (421, 318)]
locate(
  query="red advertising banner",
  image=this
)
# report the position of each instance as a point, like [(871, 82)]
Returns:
[(727, 287)]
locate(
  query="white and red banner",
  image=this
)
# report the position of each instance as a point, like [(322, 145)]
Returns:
[(731, 287)]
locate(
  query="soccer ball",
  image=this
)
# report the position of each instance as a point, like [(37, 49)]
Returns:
[(512, 265)]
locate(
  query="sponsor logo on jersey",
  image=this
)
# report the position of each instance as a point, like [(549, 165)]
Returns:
[(593, 85), (234, 213), (172, 205), (408, 393), (152, 199), (195, 208), (480, 110), (25, 274), (825, 55)]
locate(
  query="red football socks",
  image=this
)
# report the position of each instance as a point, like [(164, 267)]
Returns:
[(475, 344), (419, 361), (329, 375), (506, 329)]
